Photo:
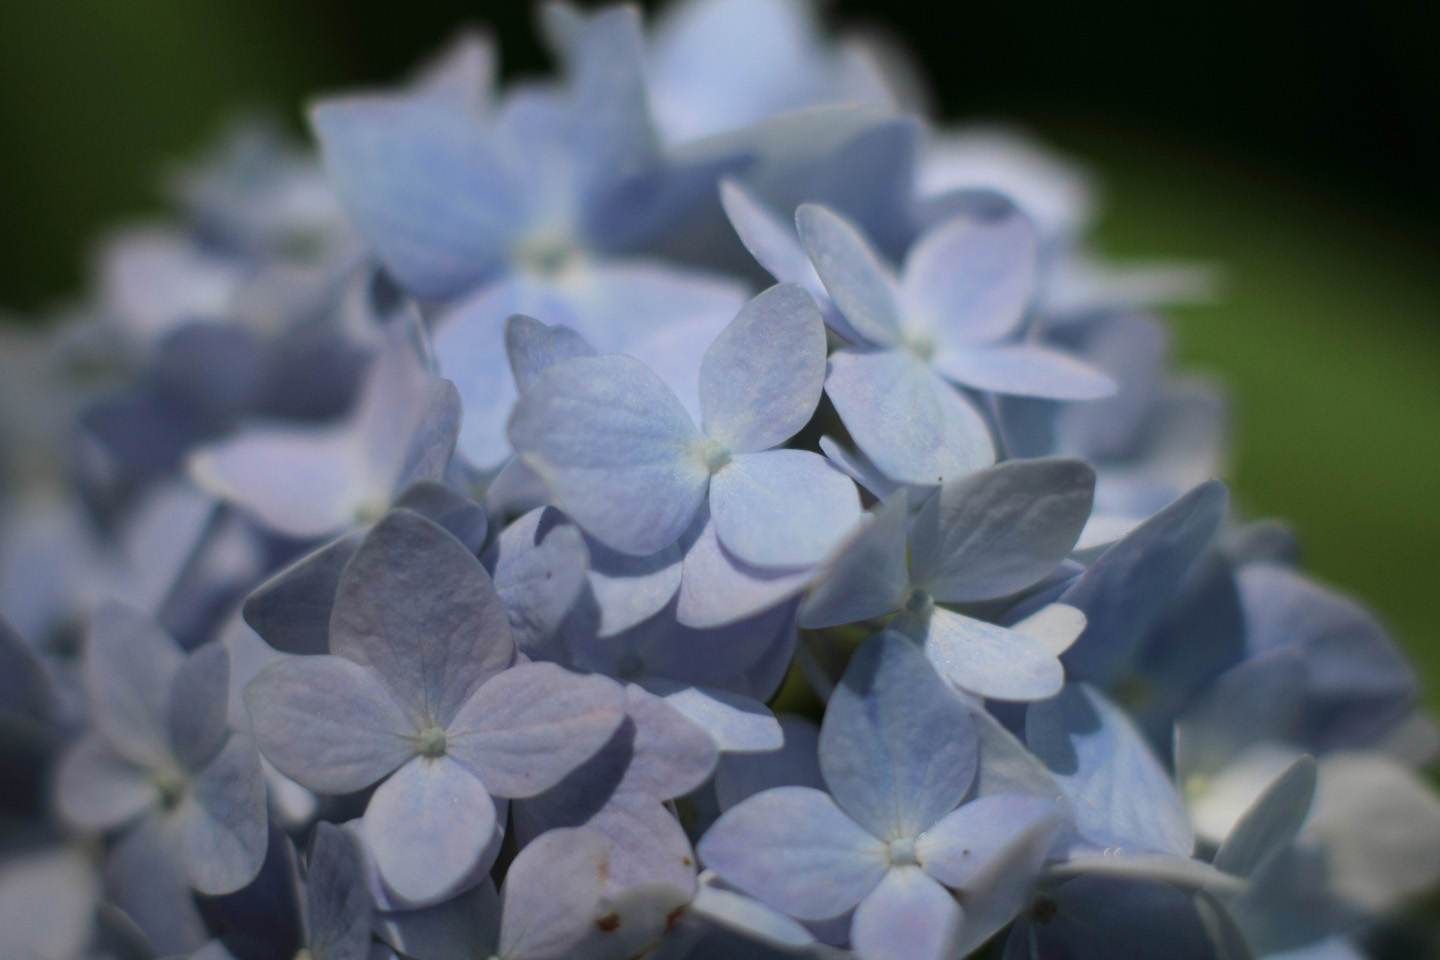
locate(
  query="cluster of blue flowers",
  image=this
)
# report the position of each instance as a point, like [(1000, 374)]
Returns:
[(403, 552)]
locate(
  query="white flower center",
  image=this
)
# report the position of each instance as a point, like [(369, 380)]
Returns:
[(902, 852), (431, 742)]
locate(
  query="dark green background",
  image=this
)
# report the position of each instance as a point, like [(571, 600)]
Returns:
[(1298, 150)]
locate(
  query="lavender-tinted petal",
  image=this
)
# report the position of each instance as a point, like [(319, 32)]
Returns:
[(1271, 821), (650, 844), (793, 849), (199, 702), (47, 903), (717, 588), (771, 241), (24, 685), (427, 826), (417, 608), (859, 468), (291, 610), (130, 662), (749, 916), (300, 481), (1123, 592), (762, 377), (533, 347), (997, 531), (467, 343), (1120, 794), (671, 754), (961, 844), (971, 278), (859, 284), (782, 508), (327, 723), (908, 916), (914, 426), (424, 185), (461, 928), (539, 564), (898, 748), (98, 789), (225, 826), (734, 722), (528, 727), (630, 589), (617, 450), (551, 893), (423, 450), (988, 660), (867, 576), (1055, 626), (1005, 886), (1022, 369), (337, 903)]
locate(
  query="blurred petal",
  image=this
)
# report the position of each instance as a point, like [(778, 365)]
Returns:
[(782, 507), (617, 450), (291, 610), (130, 662), (427, 826), (762, 377), (971, 278), (898, 748), (793, 849), (772, 242), (865, 577), (997, 531), (1022, 369), (199, 702), (914, 426), (327, 723), (1271, 821), (534, 347), (98, 789)]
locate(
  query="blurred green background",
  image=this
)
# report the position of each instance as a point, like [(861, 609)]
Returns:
[(1297, 150)]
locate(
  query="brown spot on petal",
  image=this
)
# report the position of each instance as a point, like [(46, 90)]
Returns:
[(609, 922)]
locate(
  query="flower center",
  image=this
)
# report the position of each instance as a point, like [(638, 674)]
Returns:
[(918, 601), (432, 742), (715, 455), (547, 251), (920, 343), (172, 786), (902, 852)]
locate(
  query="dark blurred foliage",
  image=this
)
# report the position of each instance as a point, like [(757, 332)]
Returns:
[(1297, 147)]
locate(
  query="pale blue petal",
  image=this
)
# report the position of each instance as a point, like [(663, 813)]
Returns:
[(971, 278), (462, 517), (1006, 766), (337, 902), (551, 893), (671, 755), (528, 727), (988, 660), (616, 449), (963, 843), (533, 347), (762, 377), (859, 284), (912, 425), (1120, 794), (461, 928), (793, 849), (327, 723), (717, 588), (424, 449), (291, 610), (629, 589), (130, 662), (145, 877), (735, 722), (1055, 627), (1271, 821), (782, 508), (1124, 591), (97, 789), (998, 531), (199, 702), (539, 564), (735, 911), (771, 241), (302, 481), (416, 607), (48, 900), (650, 844), (427, 826), (424, 184), (908, 916), (897, 747), (867, 576), (1022, 369), (1006, 885), (225, 824)]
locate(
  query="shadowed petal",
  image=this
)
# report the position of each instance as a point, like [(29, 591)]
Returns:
[(291, 610), (225, 826), (539, 563), (130, 662), (857, 281), (867, 576), (717, 588), (551, 893), (98, 789), (199, 704), (534, 347), (338, 908)]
